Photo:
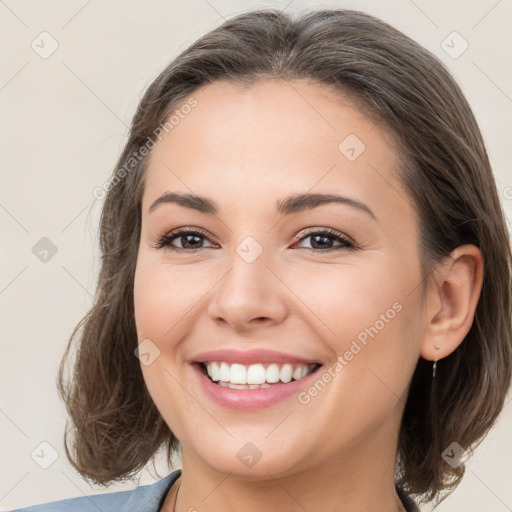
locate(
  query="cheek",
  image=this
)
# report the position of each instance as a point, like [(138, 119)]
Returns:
[(163, 300), (367, 315), (163, 297), (350, 300)]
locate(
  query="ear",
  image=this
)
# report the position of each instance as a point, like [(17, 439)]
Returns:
[(452, 302)]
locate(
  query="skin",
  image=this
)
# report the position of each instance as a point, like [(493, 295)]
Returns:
[(246, 148)]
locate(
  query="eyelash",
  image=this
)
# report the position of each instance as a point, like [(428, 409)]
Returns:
[(165, 240)]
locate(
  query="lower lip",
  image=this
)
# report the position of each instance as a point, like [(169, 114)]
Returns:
[(251, 398)]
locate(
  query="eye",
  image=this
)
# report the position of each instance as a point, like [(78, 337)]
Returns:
[(189, 239), (320, 240)]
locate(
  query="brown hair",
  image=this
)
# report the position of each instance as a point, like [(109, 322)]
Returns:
[(445, 169)]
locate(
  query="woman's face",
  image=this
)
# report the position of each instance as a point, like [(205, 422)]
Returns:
[(266, 277)]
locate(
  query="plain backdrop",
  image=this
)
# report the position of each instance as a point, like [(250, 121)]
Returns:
[(71, 75)]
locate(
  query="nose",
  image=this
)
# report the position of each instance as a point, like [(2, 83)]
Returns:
[(249, 297)]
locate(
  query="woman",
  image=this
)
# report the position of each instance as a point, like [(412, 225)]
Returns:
[(305, 281)]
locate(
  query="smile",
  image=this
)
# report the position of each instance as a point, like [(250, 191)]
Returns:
[(255, 376)]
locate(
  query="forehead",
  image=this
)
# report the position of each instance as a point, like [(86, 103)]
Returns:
[(259, 140)]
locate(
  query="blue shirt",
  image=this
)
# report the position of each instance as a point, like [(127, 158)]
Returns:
[(148, 498)]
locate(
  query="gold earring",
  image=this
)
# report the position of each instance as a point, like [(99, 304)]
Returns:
[(434, 366)]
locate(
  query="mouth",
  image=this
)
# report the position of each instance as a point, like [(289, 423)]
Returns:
[(255, 376)]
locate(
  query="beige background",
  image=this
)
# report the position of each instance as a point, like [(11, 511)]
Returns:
[(64, 120)]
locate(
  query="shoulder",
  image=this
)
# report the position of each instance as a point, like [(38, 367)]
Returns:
[(147, 498)]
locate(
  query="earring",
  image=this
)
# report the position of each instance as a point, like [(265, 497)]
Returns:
[(434, 366)]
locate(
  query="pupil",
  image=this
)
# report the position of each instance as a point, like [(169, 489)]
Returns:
[(320, 237), (186, 237)]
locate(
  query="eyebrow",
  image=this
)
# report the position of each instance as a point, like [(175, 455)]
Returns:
[(292, 204)]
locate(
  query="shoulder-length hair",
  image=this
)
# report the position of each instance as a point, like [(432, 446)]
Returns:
[(444, 167)]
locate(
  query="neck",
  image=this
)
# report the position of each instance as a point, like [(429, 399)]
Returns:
[(360, 479)]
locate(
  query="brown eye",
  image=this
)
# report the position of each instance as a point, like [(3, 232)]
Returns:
[(190, 240), (321, 240)]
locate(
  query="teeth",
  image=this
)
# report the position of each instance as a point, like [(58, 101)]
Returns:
[(286, 373), (273, 373), (223, 373), (242, 386), (255, 376), (238, 374)]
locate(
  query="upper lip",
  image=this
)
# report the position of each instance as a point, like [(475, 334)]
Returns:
[(253, 356)]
